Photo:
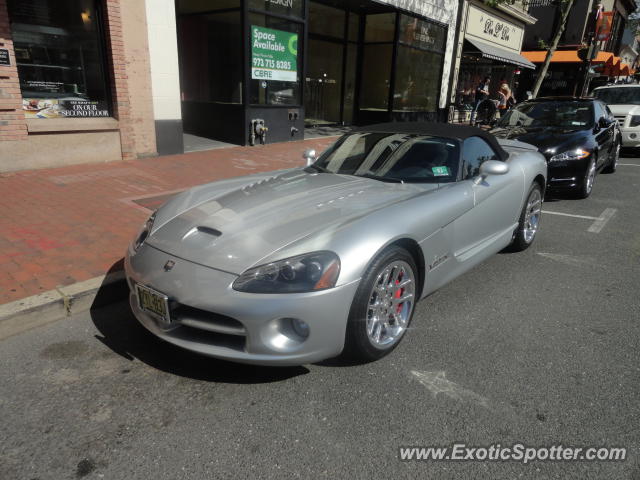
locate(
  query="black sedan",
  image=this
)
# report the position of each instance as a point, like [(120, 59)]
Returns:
[(579, 137)]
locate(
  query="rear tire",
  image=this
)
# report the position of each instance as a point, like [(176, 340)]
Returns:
[(383, 306), (529, 222)]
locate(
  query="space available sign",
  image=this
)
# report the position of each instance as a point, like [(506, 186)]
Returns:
[(274, 54)]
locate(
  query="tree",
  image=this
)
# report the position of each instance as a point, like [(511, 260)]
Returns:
[(565, 9)]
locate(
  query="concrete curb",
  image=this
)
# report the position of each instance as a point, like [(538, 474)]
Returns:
[(31, 312)]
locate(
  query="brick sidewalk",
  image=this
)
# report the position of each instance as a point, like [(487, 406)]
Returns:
[(65, 225)]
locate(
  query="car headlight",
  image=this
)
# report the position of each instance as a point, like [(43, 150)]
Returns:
[(144, 231), (576, 154), (635, 121), (303, 273)]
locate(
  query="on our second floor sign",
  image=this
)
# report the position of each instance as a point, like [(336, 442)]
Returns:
[(491, 28)]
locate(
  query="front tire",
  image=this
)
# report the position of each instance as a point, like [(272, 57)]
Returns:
[(589, 178), (383, 306), (613, 163), (529, 220)]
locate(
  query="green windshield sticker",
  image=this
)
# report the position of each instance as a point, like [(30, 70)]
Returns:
[(440, 171)]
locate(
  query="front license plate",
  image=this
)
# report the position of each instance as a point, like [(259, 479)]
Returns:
[(153, 302)]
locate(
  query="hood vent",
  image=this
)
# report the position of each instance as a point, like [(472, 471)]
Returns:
[(195, 231), (209, 231)]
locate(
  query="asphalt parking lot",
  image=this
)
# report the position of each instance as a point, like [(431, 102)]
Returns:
[(539, 348)]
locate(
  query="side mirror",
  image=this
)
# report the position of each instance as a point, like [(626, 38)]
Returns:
[(604, 122), (492, 167), (309, 155)]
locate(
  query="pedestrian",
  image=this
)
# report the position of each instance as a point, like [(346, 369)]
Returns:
[(482, 93), (505, 97)]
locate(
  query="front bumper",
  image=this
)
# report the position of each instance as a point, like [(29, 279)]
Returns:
[(211, 318), (630, 137), (567, 175)]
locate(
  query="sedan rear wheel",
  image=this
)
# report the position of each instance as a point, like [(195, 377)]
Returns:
[(383, 306)]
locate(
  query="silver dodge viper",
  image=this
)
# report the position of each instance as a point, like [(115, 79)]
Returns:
[(301, 265)]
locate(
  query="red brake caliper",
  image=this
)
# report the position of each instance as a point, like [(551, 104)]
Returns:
[(398, 294)]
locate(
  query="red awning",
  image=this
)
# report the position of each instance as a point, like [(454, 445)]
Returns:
[(564, 56)]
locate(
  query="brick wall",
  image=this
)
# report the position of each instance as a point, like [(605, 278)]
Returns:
[(138, 70), (119, 80), (12, 122)]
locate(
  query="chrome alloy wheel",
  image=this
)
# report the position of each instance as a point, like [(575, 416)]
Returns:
[(591, 176), (532, 216), (390, 304)]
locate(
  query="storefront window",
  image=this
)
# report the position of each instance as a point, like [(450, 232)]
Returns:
[(59, 55), (202, 6), (376, 75), (418, 65), (211, 57), (276, 61), (354, 27), (293, 8), (380, 27), (417, 80), (323, 85), (326, 20), (422, 34), (350, 81)]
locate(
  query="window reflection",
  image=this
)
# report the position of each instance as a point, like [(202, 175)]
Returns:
[(394, 157)]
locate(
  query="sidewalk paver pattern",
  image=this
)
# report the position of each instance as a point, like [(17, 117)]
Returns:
[(65, 225)]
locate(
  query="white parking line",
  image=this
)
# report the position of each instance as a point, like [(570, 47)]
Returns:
[(570, 215), (599, 222), (602, 221), (630, 164)]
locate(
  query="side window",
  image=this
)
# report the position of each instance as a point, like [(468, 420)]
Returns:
[(600, 112), (475, 152), (609, 113)]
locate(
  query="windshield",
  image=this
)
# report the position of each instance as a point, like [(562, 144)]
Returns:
[(618, 95), (561, 114), (393, 157)]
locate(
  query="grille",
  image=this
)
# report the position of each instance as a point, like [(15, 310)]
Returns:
[(206, 320), (232, 342), (202, 326), (621, 119)]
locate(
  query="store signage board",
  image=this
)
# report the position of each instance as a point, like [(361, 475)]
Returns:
[(493, 29), (274, 54), (63, 107), (5, 60)]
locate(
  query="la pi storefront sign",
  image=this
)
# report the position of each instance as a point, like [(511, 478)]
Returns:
[(493, 29)]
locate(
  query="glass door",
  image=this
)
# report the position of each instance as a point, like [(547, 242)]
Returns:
[(323, 85), (331, 65)]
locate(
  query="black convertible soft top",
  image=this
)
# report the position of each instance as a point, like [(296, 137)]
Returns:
[(446, 130)]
